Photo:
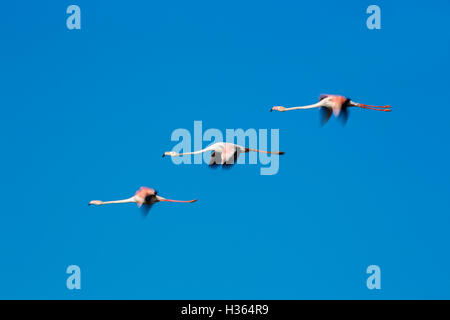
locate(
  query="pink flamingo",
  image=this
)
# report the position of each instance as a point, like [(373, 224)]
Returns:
[(223, 153), (338, 105), (143, 197)]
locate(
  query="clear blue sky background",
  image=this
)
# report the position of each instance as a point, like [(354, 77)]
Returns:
[(87, 114)]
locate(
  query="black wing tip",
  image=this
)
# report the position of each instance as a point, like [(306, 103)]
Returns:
[(343, 116), (145, 209), (228, 166), (325, 115)]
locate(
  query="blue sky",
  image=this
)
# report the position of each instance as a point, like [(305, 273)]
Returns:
[(86, 114)]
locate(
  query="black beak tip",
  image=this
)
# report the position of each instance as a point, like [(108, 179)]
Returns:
[(163, 155)]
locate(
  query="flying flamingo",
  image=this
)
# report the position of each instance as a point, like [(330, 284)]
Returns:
[(224, 153), (338, 105), (143, 197)]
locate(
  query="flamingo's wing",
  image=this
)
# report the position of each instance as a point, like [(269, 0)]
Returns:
[(323, 96), (231, 159), (337, 110), (150, 200), (343, 116), (230, 155), (145, 209), (216, 159), (325, 114)]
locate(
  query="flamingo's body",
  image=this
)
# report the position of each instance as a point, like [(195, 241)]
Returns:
[(334, 104), (144, 196), (223, 153)]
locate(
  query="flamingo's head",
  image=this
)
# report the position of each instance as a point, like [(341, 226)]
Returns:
[(96, 202), (278, 108), (170, 153)]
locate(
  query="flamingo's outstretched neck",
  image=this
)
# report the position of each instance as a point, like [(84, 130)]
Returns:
[(376, 108), (193, 152), (311, 106), (170, 200), (174, 154), (99, 203)]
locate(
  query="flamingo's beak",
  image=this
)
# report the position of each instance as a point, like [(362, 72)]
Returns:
[(163, 155)]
